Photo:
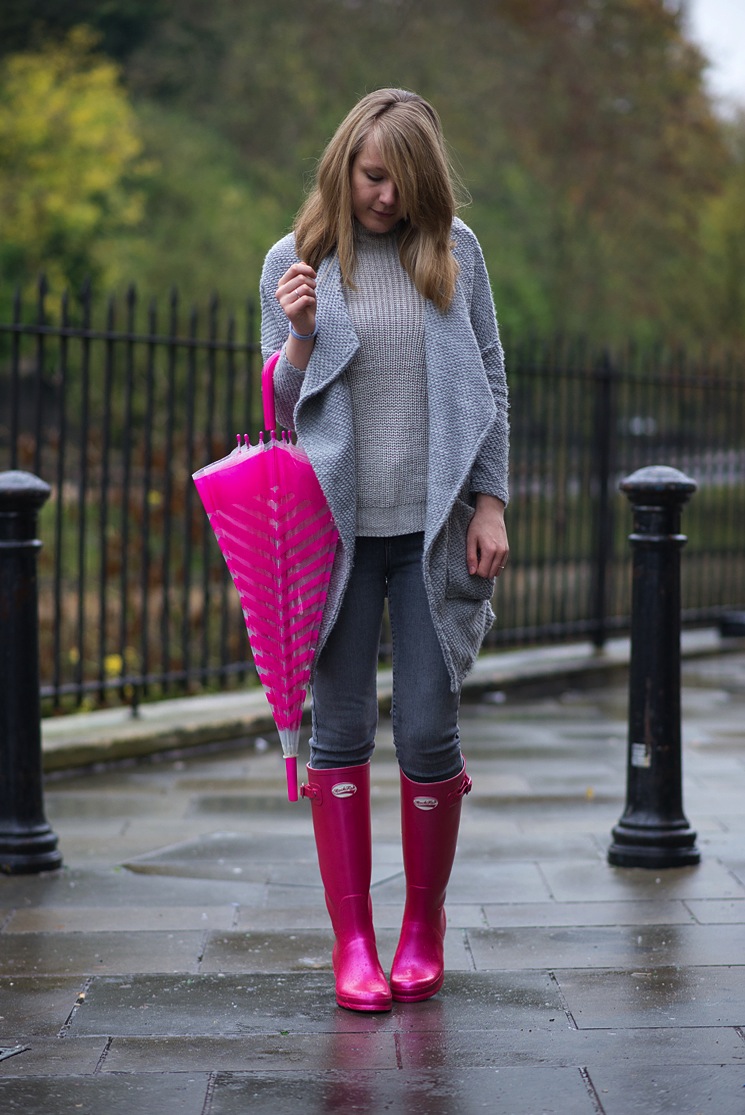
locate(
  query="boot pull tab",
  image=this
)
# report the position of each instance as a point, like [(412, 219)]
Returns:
[(309, 790), (464, 787)]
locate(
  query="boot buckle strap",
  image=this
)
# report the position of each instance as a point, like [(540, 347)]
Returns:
[(312, 791)]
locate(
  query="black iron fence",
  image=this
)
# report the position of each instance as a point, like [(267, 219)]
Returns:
[(581, 422), (116, 406)]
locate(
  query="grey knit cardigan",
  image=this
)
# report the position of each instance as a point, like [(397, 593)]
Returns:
[(468, 432)]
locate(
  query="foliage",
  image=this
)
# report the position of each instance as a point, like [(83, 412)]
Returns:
[(606, 192), (582, 128), (26, 25), (205, 227), (724, 231), (612, 122), (68, 149)]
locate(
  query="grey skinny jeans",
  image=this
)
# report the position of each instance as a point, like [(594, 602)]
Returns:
[(345, 706)]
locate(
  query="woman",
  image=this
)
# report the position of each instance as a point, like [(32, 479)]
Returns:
[(392, 375)]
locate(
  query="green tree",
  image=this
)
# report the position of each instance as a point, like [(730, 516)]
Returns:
[(69, 151), (724, 238), (205, 226), (609, 117), (120, 24), (582, 127)]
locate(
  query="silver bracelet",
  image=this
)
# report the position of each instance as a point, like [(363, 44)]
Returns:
[(303, 336)]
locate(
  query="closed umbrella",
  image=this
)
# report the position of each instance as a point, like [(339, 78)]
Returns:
[(278, 538)]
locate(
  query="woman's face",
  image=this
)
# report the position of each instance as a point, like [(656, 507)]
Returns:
[(375, 198)]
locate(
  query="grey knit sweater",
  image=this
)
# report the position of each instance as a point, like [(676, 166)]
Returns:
[(388, 384), (467, 425)]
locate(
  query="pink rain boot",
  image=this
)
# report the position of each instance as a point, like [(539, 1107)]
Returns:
[(341, 824), (430, 818)]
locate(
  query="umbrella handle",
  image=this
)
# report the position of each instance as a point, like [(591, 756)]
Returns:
[(267, 391), (291, 769)]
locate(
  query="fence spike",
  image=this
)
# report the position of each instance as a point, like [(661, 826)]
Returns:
[(173, 301), (42, 290), (84, 294)]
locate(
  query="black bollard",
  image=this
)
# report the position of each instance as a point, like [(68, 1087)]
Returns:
[(653, 831), (27, 843)]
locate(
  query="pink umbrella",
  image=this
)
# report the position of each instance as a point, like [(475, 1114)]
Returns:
[(278, 538)]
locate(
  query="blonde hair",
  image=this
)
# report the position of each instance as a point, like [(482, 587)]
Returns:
[(408, 133)]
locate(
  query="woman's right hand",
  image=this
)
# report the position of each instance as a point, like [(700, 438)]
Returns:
[(296, 294)]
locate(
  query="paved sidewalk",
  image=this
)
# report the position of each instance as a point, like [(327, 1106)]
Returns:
[(180, 962)]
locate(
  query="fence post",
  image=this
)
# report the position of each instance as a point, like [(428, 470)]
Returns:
[(653, 831), (27, 843), (602, 456)]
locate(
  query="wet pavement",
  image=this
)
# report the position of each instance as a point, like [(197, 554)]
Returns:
[(180, 961)]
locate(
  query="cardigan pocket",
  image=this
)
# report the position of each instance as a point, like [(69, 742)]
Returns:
[(462, 585)]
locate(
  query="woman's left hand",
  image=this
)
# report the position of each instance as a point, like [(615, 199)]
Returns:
[(487, 548)]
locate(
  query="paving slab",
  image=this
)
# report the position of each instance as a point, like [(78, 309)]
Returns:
[(80, 919), (718, 912), (575, 882), (306, 950), (450, 1092), (56, 1057), (662, 1088), (175, 1094), (655, 997), (80, 953), (490, 844), (491, 881), (35, 1006), (625, 946), (738, 871), (110, 808), (279, 1052), (566, 1047), (227, 849), (577, 914), (271, 952), (116, 887)]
